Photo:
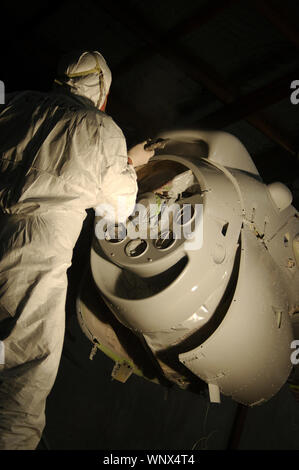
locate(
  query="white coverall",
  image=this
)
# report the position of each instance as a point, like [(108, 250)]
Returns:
[(59, 155)]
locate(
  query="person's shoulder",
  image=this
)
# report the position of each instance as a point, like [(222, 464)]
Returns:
[(84, 116), (109, 126), (103, 122)]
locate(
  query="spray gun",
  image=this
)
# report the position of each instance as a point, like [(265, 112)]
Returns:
[(154, 144), (149, 199), (150, 145)]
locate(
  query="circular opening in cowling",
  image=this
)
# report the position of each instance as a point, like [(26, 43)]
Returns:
[(136, 248), (165, 240), (115, 233), (185, 215)]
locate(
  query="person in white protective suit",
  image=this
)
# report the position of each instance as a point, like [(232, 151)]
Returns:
[(60, 154)]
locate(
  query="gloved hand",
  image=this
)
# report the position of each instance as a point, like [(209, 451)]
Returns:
[(139, 156)]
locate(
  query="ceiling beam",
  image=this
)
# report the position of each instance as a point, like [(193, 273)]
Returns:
[(153, 37), (275, 164), (264, 125), (166, 44), (252, 102), (199, 18), (277, 16)]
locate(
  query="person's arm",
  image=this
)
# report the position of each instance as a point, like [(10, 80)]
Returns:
[(138, 155), (118, 180)]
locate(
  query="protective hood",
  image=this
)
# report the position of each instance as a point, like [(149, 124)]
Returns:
[(86, 74)]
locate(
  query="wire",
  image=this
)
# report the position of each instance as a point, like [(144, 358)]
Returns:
[(202, 442)]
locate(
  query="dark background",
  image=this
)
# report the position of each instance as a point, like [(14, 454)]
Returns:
[(216, 64)]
